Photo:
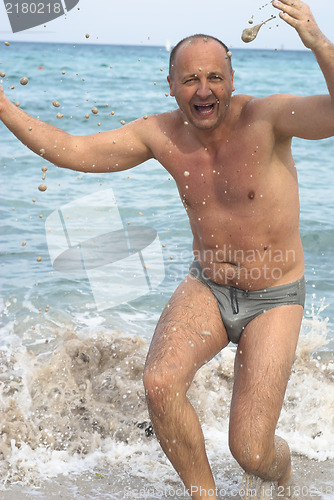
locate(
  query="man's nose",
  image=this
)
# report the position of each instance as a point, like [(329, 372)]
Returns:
[(204, 90)]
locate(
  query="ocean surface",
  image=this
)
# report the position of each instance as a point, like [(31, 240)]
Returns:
[(71, 353)]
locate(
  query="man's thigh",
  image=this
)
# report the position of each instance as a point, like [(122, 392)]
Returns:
[(262, 367), (189, 333)]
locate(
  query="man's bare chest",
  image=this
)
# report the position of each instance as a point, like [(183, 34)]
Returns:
[(228, 174)]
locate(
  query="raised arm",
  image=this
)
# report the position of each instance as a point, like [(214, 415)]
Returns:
[(112, 151), (307, 117)]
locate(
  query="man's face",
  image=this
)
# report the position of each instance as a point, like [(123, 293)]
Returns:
[(202, 82)]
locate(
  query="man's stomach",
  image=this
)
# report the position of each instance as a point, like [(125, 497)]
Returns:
[(252, 268)]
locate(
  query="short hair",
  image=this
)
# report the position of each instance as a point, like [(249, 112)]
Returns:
[(190, 38)]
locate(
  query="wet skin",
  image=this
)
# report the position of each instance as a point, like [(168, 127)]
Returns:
[(238, 183), (240, 189)]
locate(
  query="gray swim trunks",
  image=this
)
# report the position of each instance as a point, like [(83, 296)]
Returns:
[(238, 307)]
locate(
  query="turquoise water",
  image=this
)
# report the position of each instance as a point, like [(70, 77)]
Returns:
[(131, 82), (44, 312)]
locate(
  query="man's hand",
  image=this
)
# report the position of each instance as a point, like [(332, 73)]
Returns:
[(311, 117), (298, 15)]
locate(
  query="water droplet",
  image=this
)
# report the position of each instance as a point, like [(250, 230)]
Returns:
[(249, 34)]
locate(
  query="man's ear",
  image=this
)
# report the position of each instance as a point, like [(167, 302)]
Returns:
[(170, 82), (233, 87)]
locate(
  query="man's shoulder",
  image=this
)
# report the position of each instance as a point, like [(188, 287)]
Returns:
[(254, 107), (153, 129), (240, 104), (243, 102), (159, 121), (169, 118)]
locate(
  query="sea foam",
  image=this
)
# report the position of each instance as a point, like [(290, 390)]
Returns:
[(77, 403)]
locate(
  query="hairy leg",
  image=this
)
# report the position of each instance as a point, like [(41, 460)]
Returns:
[(190, 332), (262, 367)]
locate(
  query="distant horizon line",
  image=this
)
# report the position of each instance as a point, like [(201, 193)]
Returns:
[(283, 49)]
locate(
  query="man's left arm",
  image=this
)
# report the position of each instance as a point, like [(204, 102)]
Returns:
[(307, 117)]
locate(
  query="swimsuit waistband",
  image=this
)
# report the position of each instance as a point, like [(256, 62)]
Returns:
[(198, 272)]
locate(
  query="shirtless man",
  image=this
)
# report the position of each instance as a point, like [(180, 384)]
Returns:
[(231, 159)]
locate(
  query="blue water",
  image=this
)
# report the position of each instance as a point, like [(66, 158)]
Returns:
[(131, 82), (45, 312)]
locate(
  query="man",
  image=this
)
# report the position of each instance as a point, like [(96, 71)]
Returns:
[(231, 159)]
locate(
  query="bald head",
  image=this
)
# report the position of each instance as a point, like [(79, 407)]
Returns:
[(193, 39)]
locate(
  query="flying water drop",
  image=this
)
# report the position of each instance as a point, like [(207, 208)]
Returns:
[(249, 34)]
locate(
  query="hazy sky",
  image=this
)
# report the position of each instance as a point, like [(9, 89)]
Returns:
[(154, 22)]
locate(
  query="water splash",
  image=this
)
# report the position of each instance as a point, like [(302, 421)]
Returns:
[(249, 34), (254, 487)]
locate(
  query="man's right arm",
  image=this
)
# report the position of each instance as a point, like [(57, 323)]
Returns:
[(309, 117), (111, 151)]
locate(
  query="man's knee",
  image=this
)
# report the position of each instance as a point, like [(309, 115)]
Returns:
[(163, 388), (254, 454)]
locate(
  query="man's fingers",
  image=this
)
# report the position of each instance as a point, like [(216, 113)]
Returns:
[(291, 10), (298, 15), (286, 7), (289, 3)]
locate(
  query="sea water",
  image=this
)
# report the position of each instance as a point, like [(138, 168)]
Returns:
[(71, 395)]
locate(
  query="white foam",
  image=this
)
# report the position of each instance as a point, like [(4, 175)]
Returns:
[(74, 406)]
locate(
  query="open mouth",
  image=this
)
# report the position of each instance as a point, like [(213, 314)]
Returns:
[(204, 109)]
